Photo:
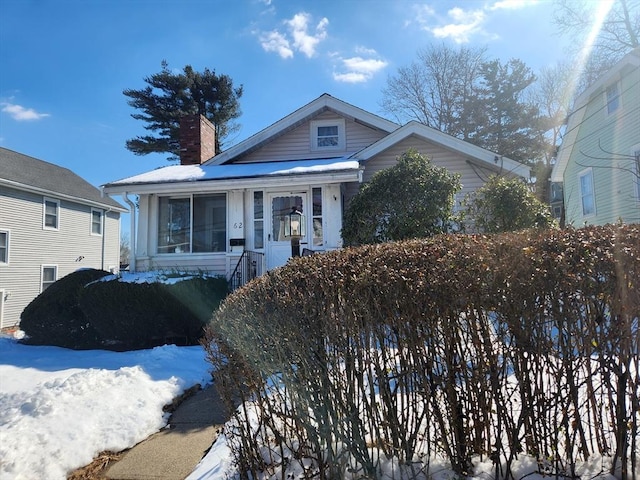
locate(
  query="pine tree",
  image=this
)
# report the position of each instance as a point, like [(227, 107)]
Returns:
[(169, 96)]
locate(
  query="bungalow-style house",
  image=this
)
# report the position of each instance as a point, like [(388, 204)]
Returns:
[(599, 160), (52, 223), (210, 210)]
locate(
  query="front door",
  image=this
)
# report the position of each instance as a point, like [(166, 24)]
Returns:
[(278, 247)]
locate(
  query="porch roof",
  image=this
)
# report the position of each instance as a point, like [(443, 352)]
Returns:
[(238, 175)]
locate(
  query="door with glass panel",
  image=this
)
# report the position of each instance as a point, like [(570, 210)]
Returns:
[(278, 248)]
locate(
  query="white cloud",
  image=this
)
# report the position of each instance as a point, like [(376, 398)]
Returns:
[(460, 24), (20, 113), (358, 69), (302, 40), (512, 4), (465, 23), (299, 38), (276, 42)]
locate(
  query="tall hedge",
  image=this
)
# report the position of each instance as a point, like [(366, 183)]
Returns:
[(459, 347)]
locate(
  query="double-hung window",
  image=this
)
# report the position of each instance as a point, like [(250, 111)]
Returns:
[(50, 214), (96, 221), (612, 99), (587, 194), (327, 135), (4, 247), (195, 223), (48, 276)]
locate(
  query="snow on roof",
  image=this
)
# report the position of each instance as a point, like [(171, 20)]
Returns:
[(191, 173)]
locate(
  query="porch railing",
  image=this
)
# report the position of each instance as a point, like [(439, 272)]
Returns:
[(250, 266)]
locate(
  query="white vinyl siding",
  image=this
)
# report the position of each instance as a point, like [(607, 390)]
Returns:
[(30, 245), (4, 247), (50, 214), (48, 275), (473, 176), (296, 143), (96, 222)]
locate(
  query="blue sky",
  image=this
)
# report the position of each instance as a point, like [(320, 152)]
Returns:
[(65, 63)]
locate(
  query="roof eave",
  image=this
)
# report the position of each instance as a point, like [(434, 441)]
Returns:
[(299, 116), (268, 181), (54, 194)]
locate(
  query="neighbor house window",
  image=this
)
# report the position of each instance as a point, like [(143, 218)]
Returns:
[(327, 135), (318, 239), (197, 223), (51, 214), (49, 275), (96, 222), (258, 220), (4, 247), (587, 192), (613, 98)]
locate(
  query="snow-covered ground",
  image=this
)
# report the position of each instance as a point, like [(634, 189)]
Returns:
[(59, 408)]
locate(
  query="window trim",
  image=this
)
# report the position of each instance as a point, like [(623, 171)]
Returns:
[(635, 158), (315, 124), (617, 98), (46, 200), (8, 245), (581, 174), (55, 275), (101, 212)]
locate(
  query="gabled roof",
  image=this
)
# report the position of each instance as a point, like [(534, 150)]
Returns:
[(579, 109), (323, 103), (444, 140), (26, 173)]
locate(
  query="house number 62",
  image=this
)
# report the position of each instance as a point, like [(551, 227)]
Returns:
[(237, 225)]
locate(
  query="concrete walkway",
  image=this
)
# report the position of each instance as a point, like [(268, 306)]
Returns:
[(174, 452)]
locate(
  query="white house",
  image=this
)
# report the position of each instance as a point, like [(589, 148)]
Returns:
[(599, 159), (208, 211), (52, 222)]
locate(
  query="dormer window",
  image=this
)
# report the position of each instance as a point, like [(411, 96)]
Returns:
[(327, 135)]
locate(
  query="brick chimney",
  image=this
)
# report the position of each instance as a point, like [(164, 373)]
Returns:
[(197, 140)]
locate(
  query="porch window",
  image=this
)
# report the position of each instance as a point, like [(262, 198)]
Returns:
[(181, 232), (586, 192), (258, 220), (327, 135), (318, 239)]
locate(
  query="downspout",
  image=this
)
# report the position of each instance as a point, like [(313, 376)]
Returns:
[(132, 246), (104, 235)]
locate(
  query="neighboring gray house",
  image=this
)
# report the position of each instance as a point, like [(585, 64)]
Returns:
[(210, 211), (599, 160), (52, 223)]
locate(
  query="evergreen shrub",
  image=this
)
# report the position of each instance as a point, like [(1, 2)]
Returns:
[(54, 317), (81, 311)]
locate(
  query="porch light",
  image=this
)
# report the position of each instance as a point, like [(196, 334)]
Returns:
[(294, 228)]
